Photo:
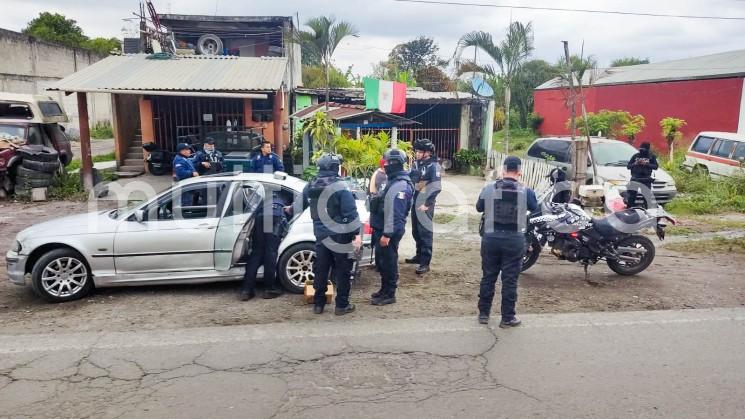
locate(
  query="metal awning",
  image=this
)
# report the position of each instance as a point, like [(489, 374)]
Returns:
[(344, 112)]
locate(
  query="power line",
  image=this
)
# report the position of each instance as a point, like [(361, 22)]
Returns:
[(560, 9)]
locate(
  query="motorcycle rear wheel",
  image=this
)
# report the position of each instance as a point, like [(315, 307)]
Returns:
[(531, 253), (628, 268)]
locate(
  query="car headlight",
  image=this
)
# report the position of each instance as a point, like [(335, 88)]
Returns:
[(16, 247)]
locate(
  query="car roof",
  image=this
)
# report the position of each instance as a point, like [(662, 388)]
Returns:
[(280, 178), (32, 101), (723, 135)]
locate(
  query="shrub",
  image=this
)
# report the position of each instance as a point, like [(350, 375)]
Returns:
[(465, 159), (102, 130), (534, 121)]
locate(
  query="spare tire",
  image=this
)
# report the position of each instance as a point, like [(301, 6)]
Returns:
[(41, 166), (209, 44), (26, 173), (38, 153), (25, 184)]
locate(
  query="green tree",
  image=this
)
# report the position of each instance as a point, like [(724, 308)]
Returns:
[(315, 77), (510, 55), (415, 55), (321, 41), (533, 74), (322, 130), (54, 27), (432, 78), (671, 130), (635, 125), (103, 46), (622, 62)]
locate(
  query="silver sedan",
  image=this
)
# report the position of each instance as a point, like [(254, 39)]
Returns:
[(196, 232)]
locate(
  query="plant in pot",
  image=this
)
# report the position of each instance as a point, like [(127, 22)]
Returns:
[(470, 162)]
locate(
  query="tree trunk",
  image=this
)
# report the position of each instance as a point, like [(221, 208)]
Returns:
[(507, 98), (328, 83), (670, 149)]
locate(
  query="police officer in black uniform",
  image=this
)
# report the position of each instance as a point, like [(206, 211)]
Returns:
[(425, 174), (641, 165), (336, 226), (505, 205), (388, 215), (269, 230)]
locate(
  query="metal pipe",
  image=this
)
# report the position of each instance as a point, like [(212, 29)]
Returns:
[(170, 93)]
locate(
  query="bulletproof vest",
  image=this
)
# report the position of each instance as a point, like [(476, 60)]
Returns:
[(377, 204), (507, 205), (333, 207)]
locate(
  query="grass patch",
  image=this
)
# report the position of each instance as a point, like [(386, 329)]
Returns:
[(681, 230), (520, 140), (715, 245), (76, 163), (102, 130), (441, 218)]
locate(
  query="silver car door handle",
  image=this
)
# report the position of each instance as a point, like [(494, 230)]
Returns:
[(206, 226)]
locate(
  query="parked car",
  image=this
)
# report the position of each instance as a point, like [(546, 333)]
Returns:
[(162, 241), (611, 157), (30, 130), (717, 153)]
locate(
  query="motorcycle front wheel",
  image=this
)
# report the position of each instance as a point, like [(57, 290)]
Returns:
[(637, 253), (531, 253)]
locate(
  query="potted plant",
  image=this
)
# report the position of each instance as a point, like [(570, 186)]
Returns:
[(470, 162)]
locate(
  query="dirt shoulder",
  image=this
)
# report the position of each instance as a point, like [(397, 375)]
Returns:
[(675, 280)]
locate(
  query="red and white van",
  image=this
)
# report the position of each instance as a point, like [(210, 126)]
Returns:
[(717, 153)]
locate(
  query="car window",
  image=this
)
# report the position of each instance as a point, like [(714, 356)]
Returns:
[(12, 132), (739, 152), (197, 200), (612, 153), (36, 136), (555, 150), (50, 109), (723, 148), (703, 144), (15, 110), (243, 201)]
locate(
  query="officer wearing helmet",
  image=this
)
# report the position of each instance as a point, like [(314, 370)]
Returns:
[(505, 205), (425, 174), (336, 226), (388, 212)]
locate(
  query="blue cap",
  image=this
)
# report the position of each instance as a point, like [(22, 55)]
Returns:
[(512, 163), (182, 146), (209, 140)]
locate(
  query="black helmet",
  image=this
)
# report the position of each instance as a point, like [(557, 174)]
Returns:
[(394, 161), (424, 145), (329, 161)]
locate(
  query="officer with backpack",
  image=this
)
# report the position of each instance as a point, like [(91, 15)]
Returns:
[(336, 226), (388, 212)]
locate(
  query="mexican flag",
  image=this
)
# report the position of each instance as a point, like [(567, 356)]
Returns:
[(386, 96)]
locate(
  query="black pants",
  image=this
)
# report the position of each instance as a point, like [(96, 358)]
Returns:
[(503, 253), (376, 235), (389, 265), (634, 190), (326, 261), (265, 247), (422, 233)]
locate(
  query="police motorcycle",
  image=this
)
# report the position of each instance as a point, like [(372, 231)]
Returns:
[(573, 235)]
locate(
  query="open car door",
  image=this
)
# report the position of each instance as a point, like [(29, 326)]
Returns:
[(232, 241)]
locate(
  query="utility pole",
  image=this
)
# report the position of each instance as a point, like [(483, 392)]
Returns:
[(579, 157)]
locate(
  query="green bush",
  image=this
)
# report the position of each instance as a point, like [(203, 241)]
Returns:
[(465, 160), (534, 121), (102, 130)]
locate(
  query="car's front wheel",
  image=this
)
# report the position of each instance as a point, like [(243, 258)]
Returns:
[(296, 266), (61, 275)]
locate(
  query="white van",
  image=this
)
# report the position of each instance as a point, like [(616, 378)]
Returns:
[(717, 153)]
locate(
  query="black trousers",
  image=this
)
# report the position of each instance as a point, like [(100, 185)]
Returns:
[(265, 247), (633, 191), (422, 233), (376, 235), (501, 254), (389, 265), (341, 264)]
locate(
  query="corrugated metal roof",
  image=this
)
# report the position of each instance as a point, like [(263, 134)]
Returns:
[(725, 64), (413, 94), (182, 73), (343, 111)]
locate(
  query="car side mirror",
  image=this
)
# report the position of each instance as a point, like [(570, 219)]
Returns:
[(140, 215)]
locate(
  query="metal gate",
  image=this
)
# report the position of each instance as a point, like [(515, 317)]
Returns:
[(446, 140)]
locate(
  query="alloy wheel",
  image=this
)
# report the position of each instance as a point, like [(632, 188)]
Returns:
[(64, 277)]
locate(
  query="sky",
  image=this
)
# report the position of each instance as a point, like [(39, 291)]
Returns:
[(382, 24)]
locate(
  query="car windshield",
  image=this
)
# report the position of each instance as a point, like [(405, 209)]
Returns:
[(612, 154), (12, 132)]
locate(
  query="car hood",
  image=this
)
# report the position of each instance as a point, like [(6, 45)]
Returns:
[(622, 173), (92, 222)]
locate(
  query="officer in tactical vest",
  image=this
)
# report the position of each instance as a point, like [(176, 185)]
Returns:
[(209, 160), (425, 174), (388, 212), (336, 226), (505, 205)]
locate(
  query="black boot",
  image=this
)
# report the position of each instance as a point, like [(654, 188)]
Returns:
[(318, 309), (483, 318), (412, 261), (422, 269), (377, 293), (271, 293), (247, 295), (383, 300), (340, 311)]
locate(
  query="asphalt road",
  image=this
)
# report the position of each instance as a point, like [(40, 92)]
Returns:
[(680, 364)]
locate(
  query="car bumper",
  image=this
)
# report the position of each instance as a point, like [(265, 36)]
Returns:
[(16, 266)]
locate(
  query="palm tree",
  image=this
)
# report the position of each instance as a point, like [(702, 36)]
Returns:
[(510, 54), (321, 41)]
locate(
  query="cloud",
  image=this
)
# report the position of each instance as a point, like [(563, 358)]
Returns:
[(385, 23)]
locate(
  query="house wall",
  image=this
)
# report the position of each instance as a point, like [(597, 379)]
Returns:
[(28, 65), (126, 123), (706, 105)]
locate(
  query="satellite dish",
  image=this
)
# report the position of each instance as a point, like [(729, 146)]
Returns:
[(481, 87)]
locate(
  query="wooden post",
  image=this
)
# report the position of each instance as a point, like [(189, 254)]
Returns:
[(85, 142), (579, 158), (277, 119)]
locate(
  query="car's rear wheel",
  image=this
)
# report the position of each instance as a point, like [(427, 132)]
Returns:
[(296, 266), (61, 275)]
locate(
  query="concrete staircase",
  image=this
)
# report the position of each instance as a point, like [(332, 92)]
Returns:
[(134, 163)]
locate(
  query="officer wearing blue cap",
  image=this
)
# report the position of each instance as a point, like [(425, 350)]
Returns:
[(183, 165), (504, 206)]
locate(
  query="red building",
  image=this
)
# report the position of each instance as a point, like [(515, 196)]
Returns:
[(707, 92)]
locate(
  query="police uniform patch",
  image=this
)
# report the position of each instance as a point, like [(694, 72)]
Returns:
[(401, 195)]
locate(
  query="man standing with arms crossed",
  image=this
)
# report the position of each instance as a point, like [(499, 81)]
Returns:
[(425, 174), (505, 205)]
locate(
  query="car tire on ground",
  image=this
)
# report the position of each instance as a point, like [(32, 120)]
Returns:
[(48, 155), (61, 275), (296, 266), (22, 183), (41, 166), (26, 173)]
